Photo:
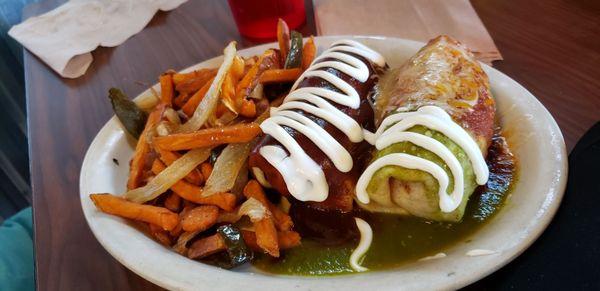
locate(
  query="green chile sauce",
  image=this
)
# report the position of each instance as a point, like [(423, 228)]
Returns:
[(398, 240)]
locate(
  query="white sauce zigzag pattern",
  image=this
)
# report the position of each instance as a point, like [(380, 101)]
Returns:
[(394, 128), (304, 178)]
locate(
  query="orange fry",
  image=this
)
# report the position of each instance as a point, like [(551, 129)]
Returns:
[(173, 202), (187, 191), (283, 221), (166, 89), (193, 193), (190, 106), (206, 169), (160, 235), (266, 236), (238, 133), (221, 109), (182, 241), (287, 239), (200, 218), (280, 75), (207, 246), (142, 149), (180, 78), (228, 216), (268, 60), (229, 107), (178, 230), (283, 38), (250, 240), (180, 100), (248, 108), (168, 157), (115, 205), (225, 201), (309, 51), (193, 81)]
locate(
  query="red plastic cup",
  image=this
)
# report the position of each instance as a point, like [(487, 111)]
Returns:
[(258, 18)]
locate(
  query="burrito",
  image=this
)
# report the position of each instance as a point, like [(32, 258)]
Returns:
[(435, 119), (313, 149)]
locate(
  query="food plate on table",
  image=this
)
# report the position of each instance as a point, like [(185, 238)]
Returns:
[(349, 162)]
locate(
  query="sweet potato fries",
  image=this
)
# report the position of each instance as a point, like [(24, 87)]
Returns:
[(188, 181)]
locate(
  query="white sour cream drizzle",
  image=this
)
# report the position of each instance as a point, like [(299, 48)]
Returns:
[(366, 237), (393, 130), (434, 257), (480, 252), (304, 178)]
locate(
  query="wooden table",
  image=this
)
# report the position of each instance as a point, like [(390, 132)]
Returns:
[(550, 47)]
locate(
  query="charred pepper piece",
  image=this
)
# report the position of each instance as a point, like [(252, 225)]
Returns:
[(131, 116), (294, 57)]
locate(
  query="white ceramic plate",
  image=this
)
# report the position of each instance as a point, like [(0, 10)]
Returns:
[(533, 136)]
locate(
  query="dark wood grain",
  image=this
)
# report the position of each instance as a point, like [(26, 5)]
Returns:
[(65, 115), (551, 47)]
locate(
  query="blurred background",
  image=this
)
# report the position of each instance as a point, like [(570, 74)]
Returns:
[(15, 192)]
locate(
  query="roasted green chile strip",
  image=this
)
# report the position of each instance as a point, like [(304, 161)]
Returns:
[(294, 57), (237, 251), (131, 116)]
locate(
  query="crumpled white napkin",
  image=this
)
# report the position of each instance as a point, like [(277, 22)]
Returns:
[(64, 37)]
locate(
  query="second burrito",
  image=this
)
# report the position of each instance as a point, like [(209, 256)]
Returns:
[(435, 117)]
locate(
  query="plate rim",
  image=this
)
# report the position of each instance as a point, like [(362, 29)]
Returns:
[(548, 214)]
